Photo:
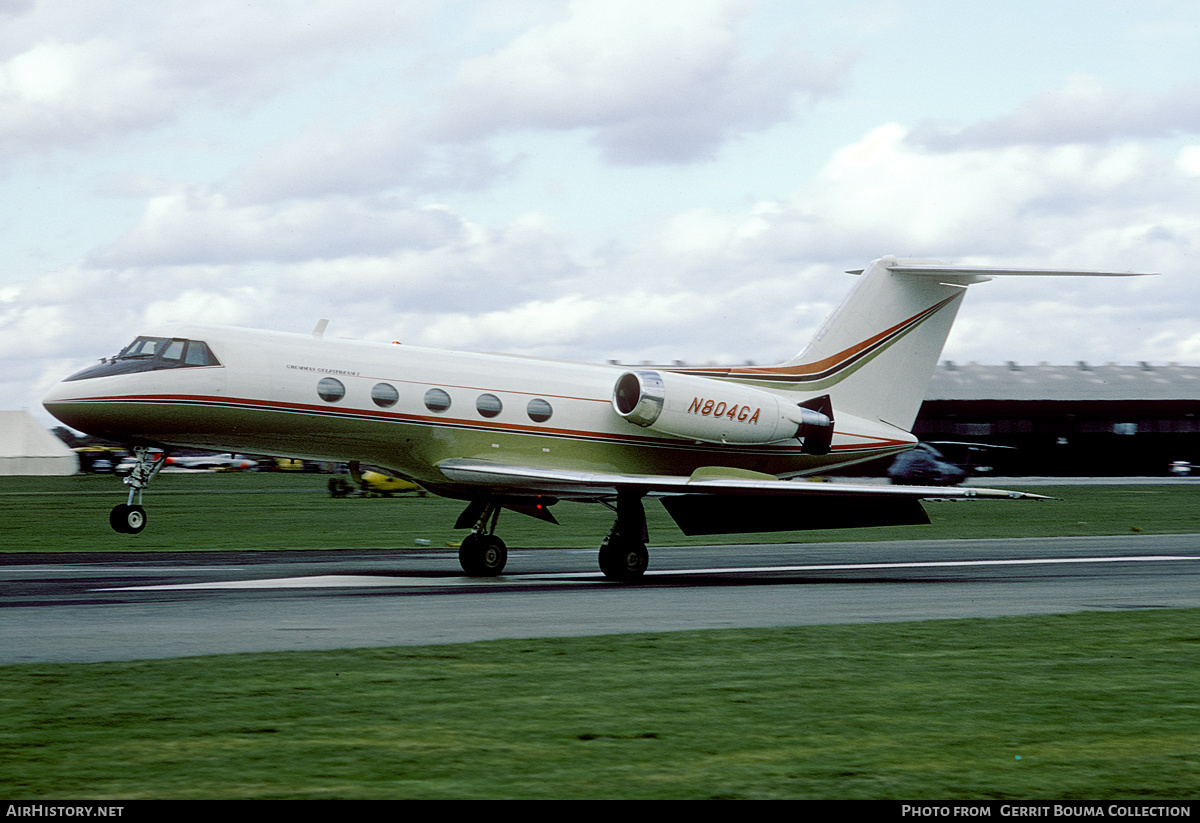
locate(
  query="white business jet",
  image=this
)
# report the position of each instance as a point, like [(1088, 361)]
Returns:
[(725, 449)]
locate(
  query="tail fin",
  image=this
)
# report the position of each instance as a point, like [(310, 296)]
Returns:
[(876, 353)]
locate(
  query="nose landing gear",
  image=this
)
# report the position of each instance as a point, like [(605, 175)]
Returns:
[(130, 517)]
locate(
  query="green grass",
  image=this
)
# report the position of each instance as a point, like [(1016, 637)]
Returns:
[(283, 511), (1085, 706)]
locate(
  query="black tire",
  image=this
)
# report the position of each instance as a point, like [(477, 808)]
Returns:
[(482, 555), (127, 519), (623, 560)]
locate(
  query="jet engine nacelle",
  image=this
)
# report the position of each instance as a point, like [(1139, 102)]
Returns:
[(719, 411)]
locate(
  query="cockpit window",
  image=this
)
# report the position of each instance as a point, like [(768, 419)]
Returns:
[(174, 350), (142, 347), (199, 355), (151, 353)]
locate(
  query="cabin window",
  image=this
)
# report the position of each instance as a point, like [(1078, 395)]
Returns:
[(384, 395), (488, 405), (331, 389), (539, 410), (437, 400)]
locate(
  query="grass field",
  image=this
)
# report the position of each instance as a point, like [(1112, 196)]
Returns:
[(272, 511), (1086, 706)]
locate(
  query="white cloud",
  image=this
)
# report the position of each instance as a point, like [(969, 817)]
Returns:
[(1061, 205), (197, 226), (73, 93), (1085, 110), (61, 85), (385, 151), (653, 82), (1189, 159), (233, 306)]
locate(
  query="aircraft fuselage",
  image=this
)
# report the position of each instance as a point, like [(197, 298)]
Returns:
[(406, 409)]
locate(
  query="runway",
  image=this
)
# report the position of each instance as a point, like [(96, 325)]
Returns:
[(73, 608)]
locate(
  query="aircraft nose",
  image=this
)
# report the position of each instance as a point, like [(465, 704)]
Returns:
[(54, 399), (58, 393), (68, 400)]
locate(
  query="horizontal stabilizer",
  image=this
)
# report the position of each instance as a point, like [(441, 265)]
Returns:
[(941, 270)]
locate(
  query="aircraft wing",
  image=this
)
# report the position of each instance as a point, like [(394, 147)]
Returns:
[(725, 501), (566, 483)]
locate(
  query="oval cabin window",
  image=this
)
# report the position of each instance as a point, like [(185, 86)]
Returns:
[(539, 410), (437, 400), (331, 389), (488, 405), (384, 395)]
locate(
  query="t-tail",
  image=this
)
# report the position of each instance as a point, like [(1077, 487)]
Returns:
[(876, 353)]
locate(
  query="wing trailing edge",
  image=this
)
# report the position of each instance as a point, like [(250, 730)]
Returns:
[(566, 484)]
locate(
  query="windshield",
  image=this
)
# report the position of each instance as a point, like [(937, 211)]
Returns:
[(151, 353), (172, 350)]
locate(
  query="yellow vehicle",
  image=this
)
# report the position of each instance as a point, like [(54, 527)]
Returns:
[(377, 483), (372, 484)]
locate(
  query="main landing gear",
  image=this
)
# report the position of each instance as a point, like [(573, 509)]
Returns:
[(130, 517), (623, 554), (482, 553)]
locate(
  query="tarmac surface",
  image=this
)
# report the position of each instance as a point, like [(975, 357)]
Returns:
[(100, 607)]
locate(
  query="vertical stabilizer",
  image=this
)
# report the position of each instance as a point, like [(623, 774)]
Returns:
[(876, 353)]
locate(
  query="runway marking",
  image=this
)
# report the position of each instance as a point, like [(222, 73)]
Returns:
[(315, 582), (365, 581), (938, 563)]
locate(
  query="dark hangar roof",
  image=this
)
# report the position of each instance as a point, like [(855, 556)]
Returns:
[(1082, 381)]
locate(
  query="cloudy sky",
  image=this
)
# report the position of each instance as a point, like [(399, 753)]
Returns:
[(596, 179)]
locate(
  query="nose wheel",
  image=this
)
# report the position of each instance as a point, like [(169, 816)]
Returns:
[(127, 519)]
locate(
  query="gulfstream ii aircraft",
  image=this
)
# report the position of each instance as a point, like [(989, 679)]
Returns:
[(725, 449)]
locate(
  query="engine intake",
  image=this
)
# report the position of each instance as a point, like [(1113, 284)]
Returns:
[(719, 411), (639, 396)]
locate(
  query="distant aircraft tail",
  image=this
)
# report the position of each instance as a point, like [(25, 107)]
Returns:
[(876, 353)]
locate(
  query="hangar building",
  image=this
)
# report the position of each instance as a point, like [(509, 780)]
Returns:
[(1067, 420)]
